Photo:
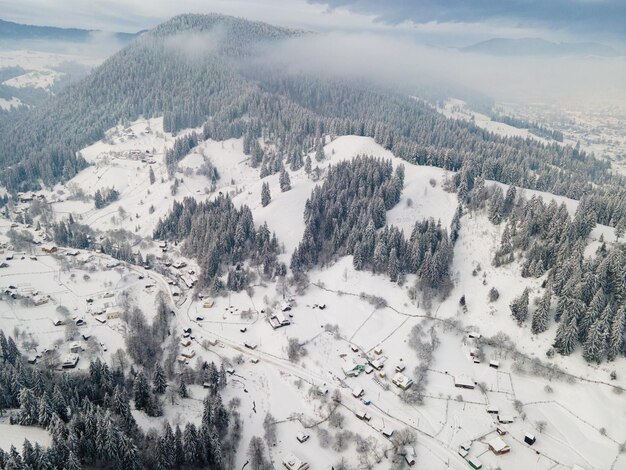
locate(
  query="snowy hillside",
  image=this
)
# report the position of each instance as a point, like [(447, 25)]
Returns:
[(314, 372)]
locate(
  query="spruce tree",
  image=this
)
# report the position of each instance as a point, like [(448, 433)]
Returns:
[(265, 194), (541, 316), (567, 333), (158, 379), (285, 181), (519, 307), (616, 335)]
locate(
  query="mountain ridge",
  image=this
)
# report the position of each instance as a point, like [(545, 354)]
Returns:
[(20, 31), (537, 46)]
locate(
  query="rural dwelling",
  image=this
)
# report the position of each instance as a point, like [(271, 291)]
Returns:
[(529, 439), (75, 348), (463, 381), (189, 354), (494, 364), (400, 368), (101, 320), (112, 313), (362, 415), (302, 437), (498, 446), (291, 462), (70, 361), (492, 410), (40, 299), (57, 322), (185, 342), (250, 345), (378, 363), (474, 335), (278, 320), (409, 455), (378, 351), (505, 419), (358, 392), (388, 432), (402, 381), (208, 304), (475, 463)]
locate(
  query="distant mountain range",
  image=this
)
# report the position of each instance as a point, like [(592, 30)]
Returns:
[(17, 31), (538, 47)]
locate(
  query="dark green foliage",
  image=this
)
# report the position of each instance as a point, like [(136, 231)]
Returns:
[(89, 418), (218, 235)]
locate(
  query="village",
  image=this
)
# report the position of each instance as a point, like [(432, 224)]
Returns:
[(330, 364)]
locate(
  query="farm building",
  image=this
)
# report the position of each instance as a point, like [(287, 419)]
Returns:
[(362, 415), (494, 364), (474, 335), (378, 363), (302, 437), (291, 462), (278, 320), (57, 322), (400, 368), (250, 345), (492, 410), (388, 432), (185, 342), (179, 264), (409, 455), (498, 446), (529, 439), (208, 304), (475, 463), (378, 351), (285, 306), (70, 361), (463, 381), (189, 354), (402, 381), (505, 419), (358, 392)]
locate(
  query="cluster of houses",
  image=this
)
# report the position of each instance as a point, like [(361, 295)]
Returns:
[(188, 351)]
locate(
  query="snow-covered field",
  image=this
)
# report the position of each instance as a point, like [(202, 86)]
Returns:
[(578, 418), (36, 79), (9, 104)]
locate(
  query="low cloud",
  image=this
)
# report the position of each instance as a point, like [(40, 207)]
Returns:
[(403, 63)]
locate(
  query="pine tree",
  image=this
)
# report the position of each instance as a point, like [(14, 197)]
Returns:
[(320, 155), (595, 346), (265, 194), (182, 389), (158, 379), (519, 307), (616, 335), (141, 391), (285, 181), (567, 333), (307, 165), (542, 314)]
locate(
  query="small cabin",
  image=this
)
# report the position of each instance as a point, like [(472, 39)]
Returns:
[(57, 322), (189, 354), (475, 463), (529, 439), (358, 392), (101, 320), (302, 437), (494, 364), (493, 410), (185, 342), (70, 361), (250, 345), (402, 381), (291, 462), (388, 432), (378, 351), (230, 371), (498, 446), (464, 382), (400, 368), (362, 415), (75, 348), (474, 335), (505, 419)]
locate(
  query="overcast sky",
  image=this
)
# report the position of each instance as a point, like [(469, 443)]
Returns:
[(442, 22)]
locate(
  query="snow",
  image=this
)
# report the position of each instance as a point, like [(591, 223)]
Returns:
[(584, 414), (9, 104), (36, 79), (14, 435)]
